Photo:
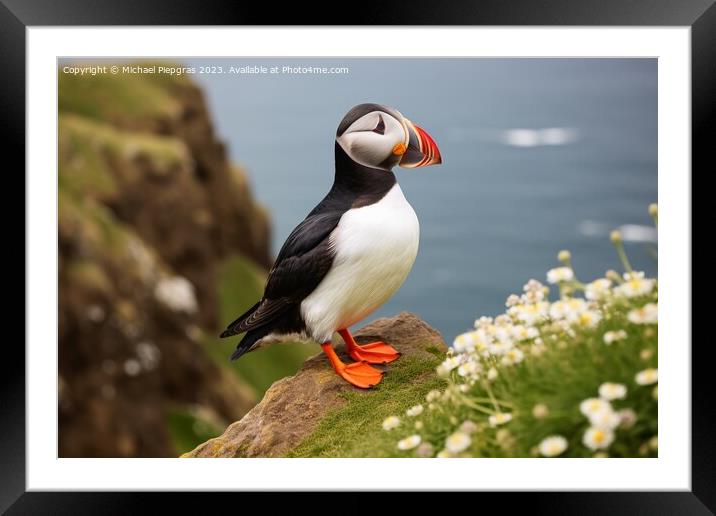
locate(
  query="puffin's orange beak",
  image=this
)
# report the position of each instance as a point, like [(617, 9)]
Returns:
[(421, 150)]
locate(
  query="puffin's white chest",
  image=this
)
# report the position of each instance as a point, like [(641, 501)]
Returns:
[(375, 248)]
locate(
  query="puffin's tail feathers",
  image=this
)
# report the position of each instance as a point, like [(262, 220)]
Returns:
[(231, 329), (248, 342), (259, 315)]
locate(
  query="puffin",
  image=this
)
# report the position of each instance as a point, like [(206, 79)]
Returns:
[(351, 253)]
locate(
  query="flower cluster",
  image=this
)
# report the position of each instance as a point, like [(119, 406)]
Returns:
[(603, 419), (510, 378)]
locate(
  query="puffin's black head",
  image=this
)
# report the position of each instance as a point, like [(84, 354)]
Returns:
[(381, 137)]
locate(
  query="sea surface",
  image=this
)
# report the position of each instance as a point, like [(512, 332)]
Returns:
[(539, 155)]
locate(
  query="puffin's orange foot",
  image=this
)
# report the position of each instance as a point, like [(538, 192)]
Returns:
[(374, 353), (360, 374)]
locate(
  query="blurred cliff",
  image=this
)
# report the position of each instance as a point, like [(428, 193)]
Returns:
[(160, 244)]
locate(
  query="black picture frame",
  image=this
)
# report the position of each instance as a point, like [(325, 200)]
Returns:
[(17, 15)]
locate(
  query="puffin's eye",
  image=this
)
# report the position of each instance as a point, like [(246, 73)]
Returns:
[(380, 128)]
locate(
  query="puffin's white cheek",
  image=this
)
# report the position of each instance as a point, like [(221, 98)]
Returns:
[(370, 149)]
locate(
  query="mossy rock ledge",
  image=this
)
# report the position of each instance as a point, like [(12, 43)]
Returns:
[(316, 413)]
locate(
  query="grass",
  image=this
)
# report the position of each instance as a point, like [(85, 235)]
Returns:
[(114, 97), (188, 429), (354, 430), (88, 148)]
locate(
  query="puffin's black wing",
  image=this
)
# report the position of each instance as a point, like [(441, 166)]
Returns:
[(303, 262)]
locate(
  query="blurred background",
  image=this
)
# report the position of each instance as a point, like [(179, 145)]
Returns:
[(176, 191)]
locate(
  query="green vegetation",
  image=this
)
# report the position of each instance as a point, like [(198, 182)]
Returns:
[(576, 377), (188, 429), (240, 286), (88, 150), (125, 97), (354, 430)]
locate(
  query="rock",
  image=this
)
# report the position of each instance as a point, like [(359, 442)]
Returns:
[(149, 209), (293, 407), (166, 176)]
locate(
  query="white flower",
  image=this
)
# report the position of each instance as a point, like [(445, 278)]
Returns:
[(470, 368), (614, 336), (564, 256), (530, 313), (589, 319), (647, 376), (606, 419), (419, 425), (512, 300), (499, 347), (569, 309), (409, 442), (391, 422), (635, 285), (425, 450), (483, 322), (655, 392), (592, 406), (468, 427), (457, 442), (598, 438), (514, 356), (502, 320), (444, 454), (533, 286), (448, 365), (647, 314), (520, 332), (500, 418), (552, 446), (540, 411), (560, 274), (492, 374), (654, 443), (465, 342), (177, 293), (414, 411), (433, 395), (612, 391), (627, 418), (598, 289)]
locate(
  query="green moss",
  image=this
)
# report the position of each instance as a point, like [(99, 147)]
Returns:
[(88, 275), (188, 430), (355, 430), (241, 284), (81, 166), (88, 150), (117, 97)]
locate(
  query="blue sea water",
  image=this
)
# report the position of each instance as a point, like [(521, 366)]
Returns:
[(539, 155)]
